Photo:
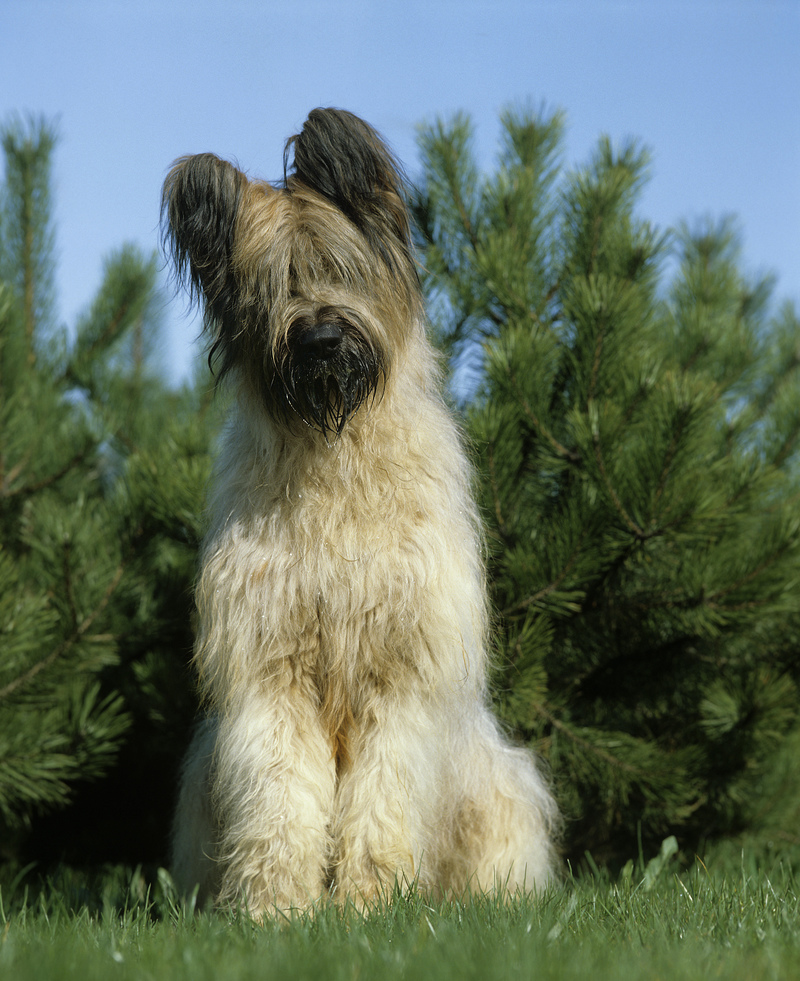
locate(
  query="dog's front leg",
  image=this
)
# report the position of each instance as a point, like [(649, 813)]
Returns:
[(272, 792), (385, 802)]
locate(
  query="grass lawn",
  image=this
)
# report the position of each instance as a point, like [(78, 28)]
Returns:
[(734, 923)]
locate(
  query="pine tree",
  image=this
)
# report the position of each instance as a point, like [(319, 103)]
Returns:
[(95, 567), (636, 439)]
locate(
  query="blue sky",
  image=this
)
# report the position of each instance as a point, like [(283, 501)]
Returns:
[(712, 88)]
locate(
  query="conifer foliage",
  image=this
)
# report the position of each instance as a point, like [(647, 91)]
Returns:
[(94, 566), (636, 438), (633, 400)]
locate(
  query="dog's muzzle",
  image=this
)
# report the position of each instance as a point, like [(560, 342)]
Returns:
[(328, 372)]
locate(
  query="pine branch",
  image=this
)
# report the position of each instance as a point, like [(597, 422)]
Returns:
[(601, 754), (500, 520), (769, 562), (526, 603), (68, 588), (571, 455), (598, 350), (618, 505), (27, 490), (77, 634)]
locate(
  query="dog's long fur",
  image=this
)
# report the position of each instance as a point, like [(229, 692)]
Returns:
[(342, 613)]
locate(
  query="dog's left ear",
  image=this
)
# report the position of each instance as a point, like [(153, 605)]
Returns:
[(341, 157)]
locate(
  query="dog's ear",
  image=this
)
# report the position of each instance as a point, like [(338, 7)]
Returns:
[(199, 205), (342, 158)]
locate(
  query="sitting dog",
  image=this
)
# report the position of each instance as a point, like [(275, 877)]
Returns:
[(342, 644)]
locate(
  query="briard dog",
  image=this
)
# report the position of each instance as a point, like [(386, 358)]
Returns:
[(349, 749)]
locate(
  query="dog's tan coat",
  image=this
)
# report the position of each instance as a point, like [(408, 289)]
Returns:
[(342, 645)]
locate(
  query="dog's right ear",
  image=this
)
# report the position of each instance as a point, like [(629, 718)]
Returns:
[(199, 204)]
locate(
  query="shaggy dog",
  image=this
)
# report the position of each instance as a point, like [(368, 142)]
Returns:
[(349, 748)]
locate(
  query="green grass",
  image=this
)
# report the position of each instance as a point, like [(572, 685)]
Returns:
[(737, 923)]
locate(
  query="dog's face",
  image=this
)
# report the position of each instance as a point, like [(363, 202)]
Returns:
[(309, 286)]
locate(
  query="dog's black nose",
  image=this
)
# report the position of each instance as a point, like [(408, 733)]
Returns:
[(322, 340)]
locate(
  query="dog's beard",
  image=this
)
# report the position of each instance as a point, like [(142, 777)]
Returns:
[(327, 391)]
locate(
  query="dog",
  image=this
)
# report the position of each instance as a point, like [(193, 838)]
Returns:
[(349, 749)]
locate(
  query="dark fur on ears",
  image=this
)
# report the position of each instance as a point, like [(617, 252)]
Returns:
[(344, 159), (199, 205)]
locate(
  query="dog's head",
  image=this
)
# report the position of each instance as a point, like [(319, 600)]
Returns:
[(309, 286)]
